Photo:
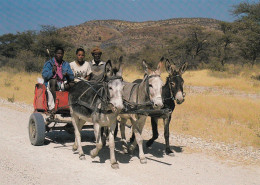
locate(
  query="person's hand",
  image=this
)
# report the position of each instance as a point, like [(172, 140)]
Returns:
[(65, 74), (54, 69)]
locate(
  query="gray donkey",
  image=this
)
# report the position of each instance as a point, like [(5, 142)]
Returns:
[(172, 90), (99, 103), (149, 90)]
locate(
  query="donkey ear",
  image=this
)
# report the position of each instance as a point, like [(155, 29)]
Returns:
[(120, 67), (168, 66), (108, 68), (145, 66), (159, 67), (183, 68), (120, 71)]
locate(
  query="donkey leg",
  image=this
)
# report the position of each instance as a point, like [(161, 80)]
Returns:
[(133, 143), (97, 131), (123, 138), (113, 161), (154, 123), (80, 124), (139, 140), (168, 151), (77, 144)]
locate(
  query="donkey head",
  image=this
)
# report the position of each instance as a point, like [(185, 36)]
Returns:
[(154, 84), (175, 81), (114, 80)]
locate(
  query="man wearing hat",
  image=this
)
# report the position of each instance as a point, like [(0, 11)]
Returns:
[(97, 65)]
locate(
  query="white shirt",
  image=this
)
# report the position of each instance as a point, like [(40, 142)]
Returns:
[(100, 63), (80, 71)]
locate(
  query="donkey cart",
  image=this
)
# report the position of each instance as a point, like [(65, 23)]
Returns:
[(43, 120)]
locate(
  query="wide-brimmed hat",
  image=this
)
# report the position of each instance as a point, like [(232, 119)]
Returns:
[(96, 50)]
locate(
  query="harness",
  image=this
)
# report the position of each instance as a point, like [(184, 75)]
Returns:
[(135, 105), (101, 93)]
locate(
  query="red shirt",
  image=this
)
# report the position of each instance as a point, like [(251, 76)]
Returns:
[(59, 71)]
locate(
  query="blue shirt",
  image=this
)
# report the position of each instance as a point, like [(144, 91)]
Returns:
[(47, 73)]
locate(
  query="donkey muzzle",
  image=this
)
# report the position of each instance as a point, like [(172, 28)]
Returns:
[(180, 97)]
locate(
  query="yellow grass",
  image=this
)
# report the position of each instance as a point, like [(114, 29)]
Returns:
[(18, 86), (230, 119), (221, 79), (220, 118)]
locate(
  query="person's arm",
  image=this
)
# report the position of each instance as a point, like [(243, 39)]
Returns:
[(47, 71), (89, 72), (69, 73)]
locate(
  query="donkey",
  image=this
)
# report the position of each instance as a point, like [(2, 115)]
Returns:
[(149, 90), (172, 90), (99, 103)]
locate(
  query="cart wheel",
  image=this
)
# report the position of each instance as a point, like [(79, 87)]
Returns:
[(36, 129)]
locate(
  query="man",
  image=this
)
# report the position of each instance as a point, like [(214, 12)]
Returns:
[(56, 71), (97, 65)]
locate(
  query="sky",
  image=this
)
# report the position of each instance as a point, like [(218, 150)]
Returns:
[(22, 15)]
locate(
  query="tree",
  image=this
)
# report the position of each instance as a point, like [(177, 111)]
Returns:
[(25, 40), (48, 38), (194, 47), (248, 27), (223, 43), (8, 46), (246, 11), (249, 41), (150, 54), (11, 44)]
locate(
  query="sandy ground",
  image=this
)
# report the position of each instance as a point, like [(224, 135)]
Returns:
[(55, 163)]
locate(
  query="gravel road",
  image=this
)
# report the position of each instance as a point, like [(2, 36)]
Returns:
[(55, 163)]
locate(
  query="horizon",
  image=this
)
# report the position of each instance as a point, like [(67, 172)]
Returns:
[(24, 15)]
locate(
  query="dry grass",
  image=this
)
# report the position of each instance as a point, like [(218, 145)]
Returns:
[(17, 86), (223, 80), (211, 116), (219, 118)]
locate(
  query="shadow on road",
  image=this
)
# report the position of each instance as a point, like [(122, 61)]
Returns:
[(64, 140)]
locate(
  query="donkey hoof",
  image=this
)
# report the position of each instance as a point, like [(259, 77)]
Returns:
[(74, 149), (115, 165), (143, 161), (82, 157), (169, 153), (92, 154)]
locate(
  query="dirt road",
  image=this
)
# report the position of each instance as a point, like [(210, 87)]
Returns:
[(55, 163)]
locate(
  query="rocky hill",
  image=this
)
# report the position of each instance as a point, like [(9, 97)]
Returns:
[(132, 36)]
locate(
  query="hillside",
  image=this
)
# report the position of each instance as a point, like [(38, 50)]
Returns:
[(132, 36)]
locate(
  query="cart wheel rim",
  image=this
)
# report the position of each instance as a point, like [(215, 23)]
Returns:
[(33, 130)]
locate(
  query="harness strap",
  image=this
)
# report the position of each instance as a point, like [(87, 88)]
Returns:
[(131, 92)]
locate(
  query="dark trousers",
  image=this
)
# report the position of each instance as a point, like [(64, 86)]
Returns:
[(54, 87)]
